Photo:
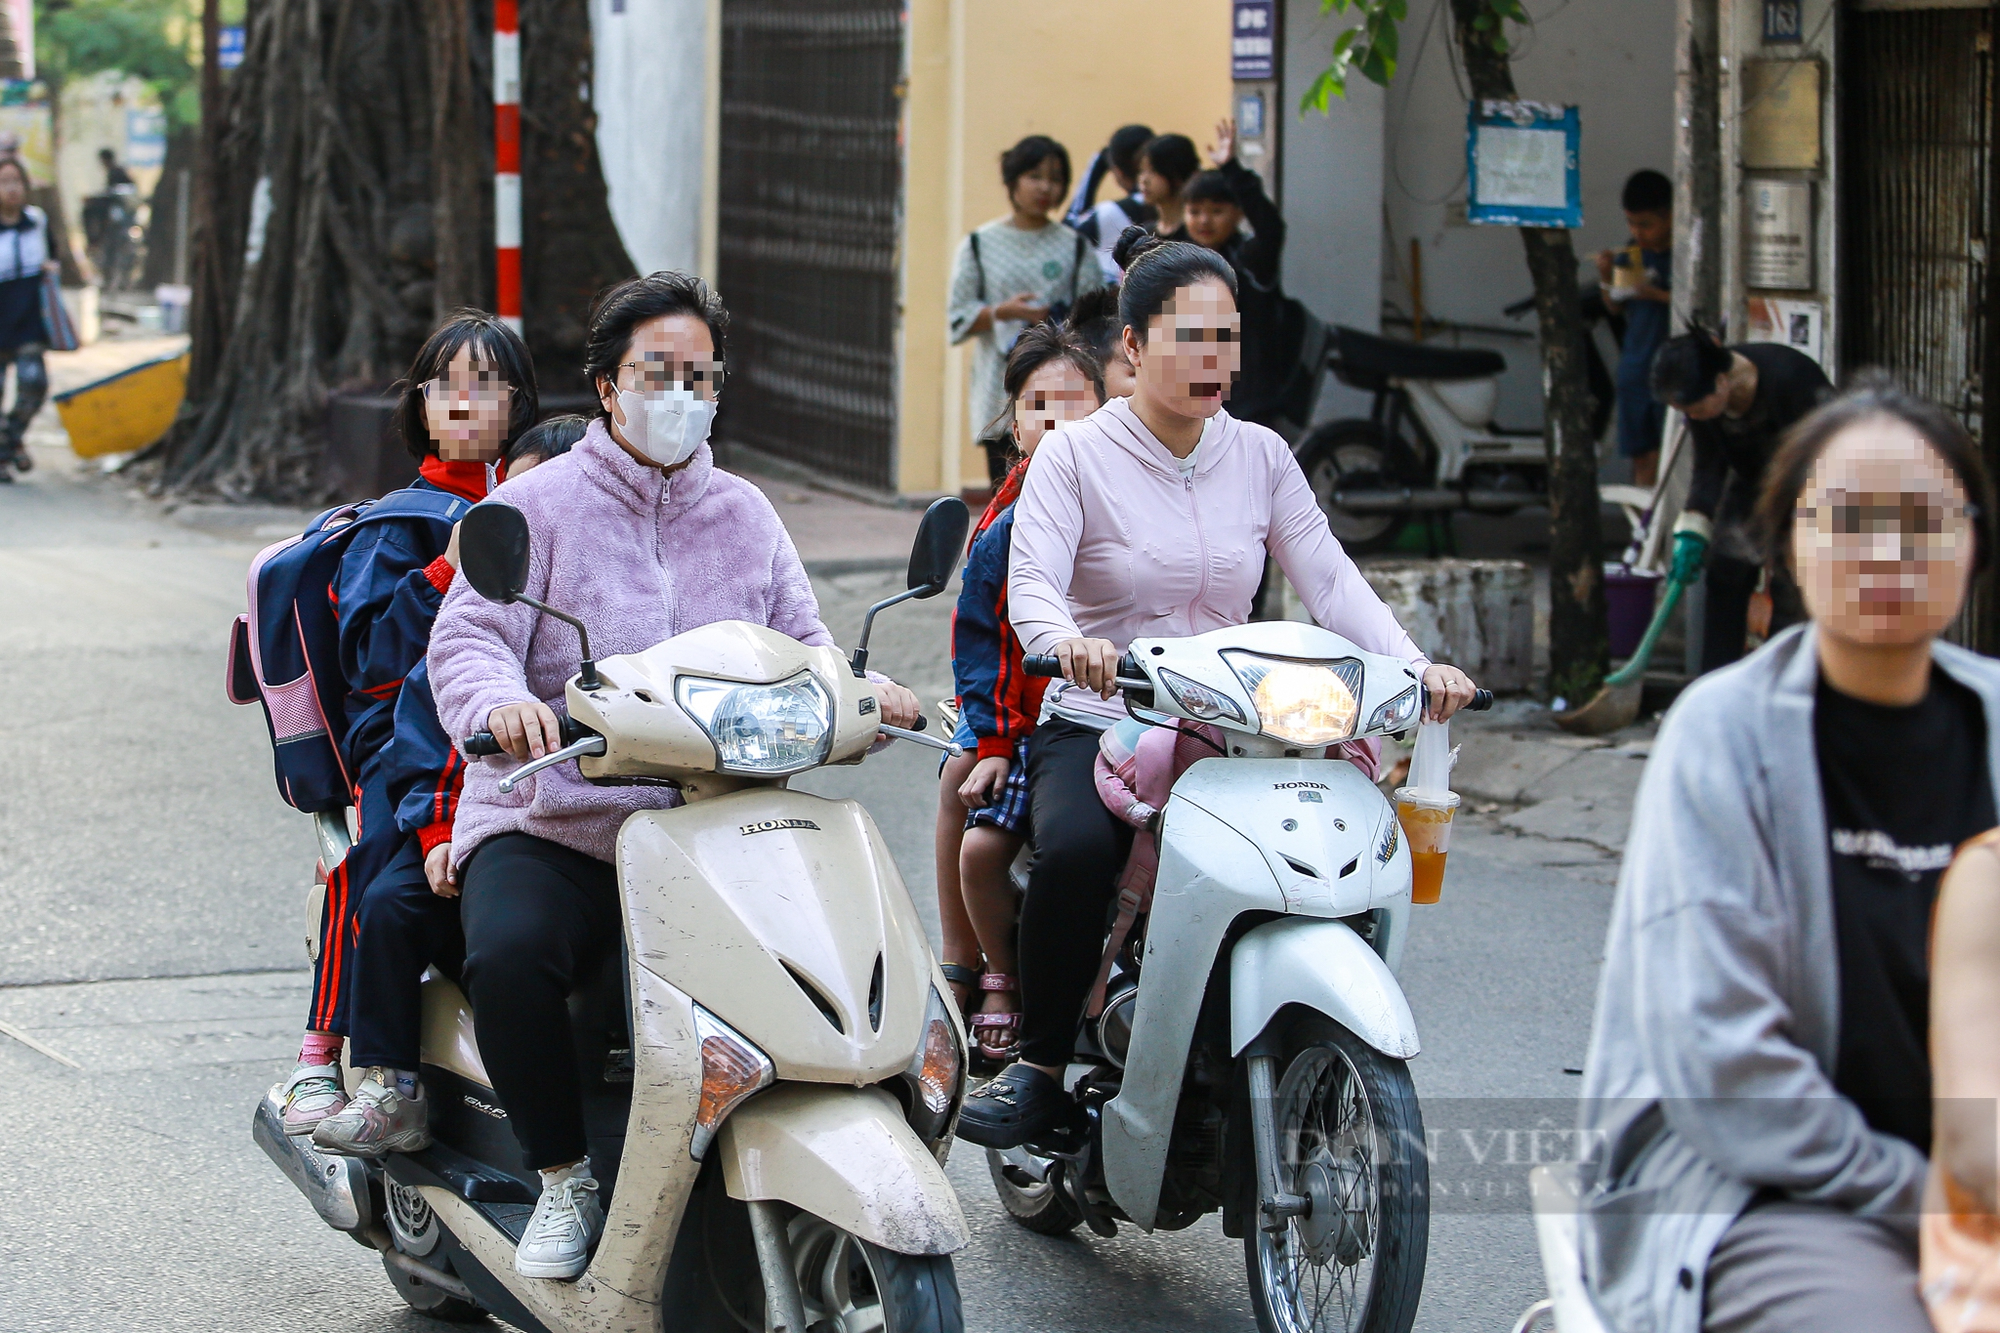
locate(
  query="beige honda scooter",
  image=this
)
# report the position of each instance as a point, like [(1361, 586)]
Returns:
[(772, 1070)]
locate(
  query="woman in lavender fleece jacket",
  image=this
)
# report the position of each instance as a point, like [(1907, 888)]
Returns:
[(636, 533)]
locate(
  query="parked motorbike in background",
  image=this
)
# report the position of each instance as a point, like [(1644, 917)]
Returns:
[(1252, 1052), (772, 1066)]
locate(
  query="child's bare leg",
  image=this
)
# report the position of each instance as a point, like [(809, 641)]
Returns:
[(991, 904), (961, 943)]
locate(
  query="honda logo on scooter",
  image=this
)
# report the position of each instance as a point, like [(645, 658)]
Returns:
[(773, 825)]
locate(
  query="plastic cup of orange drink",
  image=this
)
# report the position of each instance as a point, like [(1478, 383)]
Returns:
[(1426, 820)]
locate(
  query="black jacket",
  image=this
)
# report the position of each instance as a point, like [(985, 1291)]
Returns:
[(1731, 453), (1273, 324)]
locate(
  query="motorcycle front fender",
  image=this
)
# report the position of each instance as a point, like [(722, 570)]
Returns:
[(845, 1155), (1320, 965)]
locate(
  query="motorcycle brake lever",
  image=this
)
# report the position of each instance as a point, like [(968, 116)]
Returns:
[(589, 745), (905, 734)]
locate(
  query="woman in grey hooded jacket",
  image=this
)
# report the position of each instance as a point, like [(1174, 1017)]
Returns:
[(1757, 1088)]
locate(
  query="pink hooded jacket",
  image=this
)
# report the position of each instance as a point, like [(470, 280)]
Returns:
[(636, 556), (1111, 542)]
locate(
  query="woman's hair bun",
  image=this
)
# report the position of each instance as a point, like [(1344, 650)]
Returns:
[(1133, 242)]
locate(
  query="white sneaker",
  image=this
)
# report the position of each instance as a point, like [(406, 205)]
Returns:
[(567, 1220)]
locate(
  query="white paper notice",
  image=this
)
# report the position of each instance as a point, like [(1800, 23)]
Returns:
[(1522, 168)]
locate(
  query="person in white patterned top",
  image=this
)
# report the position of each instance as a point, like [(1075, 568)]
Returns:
[(1013, 272)]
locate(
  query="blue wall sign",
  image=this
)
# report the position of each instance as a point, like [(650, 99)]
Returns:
[(1521, 164), (1783, 23), (229, 48), (1253, 45)]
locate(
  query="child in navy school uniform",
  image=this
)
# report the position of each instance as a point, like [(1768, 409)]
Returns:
[(1052, 377), (408, 917), (470, 391)]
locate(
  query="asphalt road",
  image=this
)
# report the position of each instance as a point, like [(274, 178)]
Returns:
[(151, 885)]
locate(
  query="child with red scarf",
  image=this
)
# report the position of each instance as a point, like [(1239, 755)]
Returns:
[(1052, 378), (470, 391)]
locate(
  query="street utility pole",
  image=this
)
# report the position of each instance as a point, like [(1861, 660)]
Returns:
[(507, 161)]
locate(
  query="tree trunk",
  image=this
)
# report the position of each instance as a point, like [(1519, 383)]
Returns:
[(1578, 644), (345, 201), (570, 249), (461, 160)]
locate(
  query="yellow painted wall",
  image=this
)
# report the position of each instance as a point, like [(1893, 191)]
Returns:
[(983, 73)]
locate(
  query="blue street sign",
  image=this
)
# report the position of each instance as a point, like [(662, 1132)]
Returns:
[(1521, 162), (1783, 23), (229, 49), (1253, 36)]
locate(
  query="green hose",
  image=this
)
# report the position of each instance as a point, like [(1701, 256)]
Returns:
[(1636, 667)]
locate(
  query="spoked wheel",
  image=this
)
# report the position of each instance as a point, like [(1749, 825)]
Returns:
[(1350, 455), (416, 1230), (851, 1286), (1349, 1136), (1030, 1189)]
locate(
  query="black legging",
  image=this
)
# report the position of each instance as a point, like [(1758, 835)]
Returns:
[(1727, 585), (1080, 846), (538, 919)]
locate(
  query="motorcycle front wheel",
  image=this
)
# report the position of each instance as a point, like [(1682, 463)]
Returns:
[(851, 1286), (1350, 1137)]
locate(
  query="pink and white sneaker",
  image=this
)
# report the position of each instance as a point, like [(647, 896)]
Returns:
[(312, 1093)]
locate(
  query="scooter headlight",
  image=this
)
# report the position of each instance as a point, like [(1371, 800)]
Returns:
[(761, 730), (731, 1070), (1397, 714), (1305, 703)]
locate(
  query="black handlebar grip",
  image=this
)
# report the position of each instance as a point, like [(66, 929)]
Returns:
[(920, 723), (1041, 664), (480, 743), (1481, 701)]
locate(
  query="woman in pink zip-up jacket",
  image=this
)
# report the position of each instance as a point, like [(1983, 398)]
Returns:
[(1153, 516)]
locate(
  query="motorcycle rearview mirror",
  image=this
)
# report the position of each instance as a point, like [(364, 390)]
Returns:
[(493, 556), (940, 538), (493, 550), (933, 559)]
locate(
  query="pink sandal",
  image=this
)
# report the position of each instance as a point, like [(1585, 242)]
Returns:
[(1006, 1027)]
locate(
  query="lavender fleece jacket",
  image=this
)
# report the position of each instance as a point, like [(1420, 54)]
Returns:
[(638, 557)]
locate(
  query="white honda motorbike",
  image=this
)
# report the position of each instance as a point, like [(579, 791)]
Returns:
[(1251, 1054), (772, 1069)]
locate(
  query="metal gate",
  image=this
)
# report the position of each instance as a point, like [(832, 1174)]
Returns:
[(1917, 216), (1916, 192), (810, 181)]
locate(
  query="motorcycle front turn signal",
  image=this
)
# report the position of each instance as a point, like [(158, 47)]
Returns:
[(939, 1063), (731, 1070)]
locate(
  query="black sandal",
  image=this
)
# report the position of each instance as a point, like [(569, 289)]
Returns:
[(958, 974), (1012, 1108)]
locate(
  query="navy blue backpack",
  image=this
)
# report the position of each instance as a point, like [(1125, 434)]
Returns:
[(284, 652)]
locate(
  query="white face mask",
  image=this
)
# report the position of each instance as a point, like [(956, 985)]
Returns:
[(666, 427)]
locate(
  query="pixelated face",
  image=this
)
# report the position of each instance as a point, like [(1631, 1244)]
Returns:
[(668, 352), (1711, 407), (1651, 230), (466, 407), (1211, 222), (1040, 190), (1193, 350), (1882, 541), (1056, 394)]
